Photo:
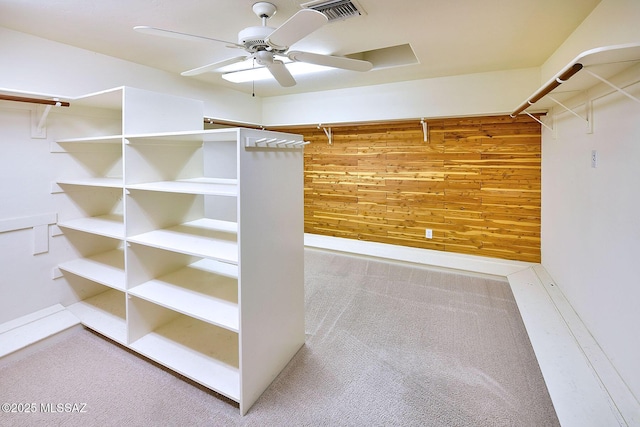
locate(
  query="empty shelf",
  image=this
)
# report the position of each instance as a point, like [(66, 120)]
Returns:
[(108, 139), (204, 237), (209, 135), (104, 313), (196, 290), (110, 225), (206, 354), (93, 182), (207, 186), (106, 268)]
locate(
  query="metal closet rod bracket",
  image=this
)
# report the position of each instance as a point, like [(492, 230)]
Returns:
[(39, 116), (589, 118), (425, 130), (327, 132), (607, 82), (538, 120), (586, 120)]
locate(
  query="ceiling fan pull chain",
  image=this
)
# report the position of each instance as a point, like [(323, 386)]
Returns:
[(253, 82)]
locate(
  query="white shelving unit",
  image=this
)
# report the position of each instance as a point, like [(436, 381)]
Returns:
[(188, 244)]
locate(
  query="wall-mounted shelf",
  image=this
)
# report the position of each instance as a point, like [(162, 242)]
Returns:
[(586, 70)]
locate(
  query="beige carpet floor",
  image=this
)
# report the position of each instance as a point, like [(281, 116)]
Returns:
[(387, 345)]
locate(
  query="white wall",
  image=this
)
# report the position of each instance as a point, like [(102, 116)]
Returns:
[(590, 227), (33, 64), (497, 92), (25, 284), (590, 230)]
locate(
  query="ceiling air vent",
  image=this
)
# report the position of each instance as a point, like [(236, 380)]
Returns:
[(335, 9)]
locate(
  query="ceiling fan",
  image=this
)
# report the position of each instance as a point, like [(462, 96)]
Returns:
[(265, 44)]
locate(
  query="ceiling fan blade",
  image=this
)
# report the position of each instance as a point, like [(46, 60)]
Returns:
[(331, 61), (281, 74), (181, 36), (297, 27), (213, 66)]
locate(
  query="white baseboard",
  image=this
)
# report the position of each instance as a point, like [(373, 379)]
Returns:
[(576, 384), (32, 328), (461, 262), (584, 387)]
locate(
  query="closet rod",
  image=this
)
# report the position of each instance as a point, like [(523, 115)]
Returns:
[(212, 121), (34, 100), (548, 88)]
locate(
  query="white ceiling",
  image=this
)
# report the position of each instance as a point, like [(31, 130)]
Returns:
[(449, 37)]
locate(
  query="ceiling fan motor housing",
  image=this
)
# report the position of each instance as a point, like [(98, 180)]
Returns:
[(252, 38)]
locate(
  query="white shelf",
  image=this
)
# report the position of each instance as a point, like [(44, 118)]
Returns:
[(211, 135), (93, 182), (106, 139), (204, 237), (104, 313), (106, 268), (197, 291), (201, 352), (206, 186), (110, 225)]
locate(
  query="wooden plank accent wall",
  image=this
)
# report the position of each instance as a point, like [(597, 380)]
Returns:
[(475, 183)]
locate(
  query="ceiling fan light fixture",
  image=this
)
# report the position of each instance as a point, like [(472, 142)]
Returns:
[(262, 73), (250, 75)]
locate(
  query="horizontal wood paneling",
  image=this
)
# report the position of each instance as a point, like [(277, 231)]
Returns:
[(476, 184)]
